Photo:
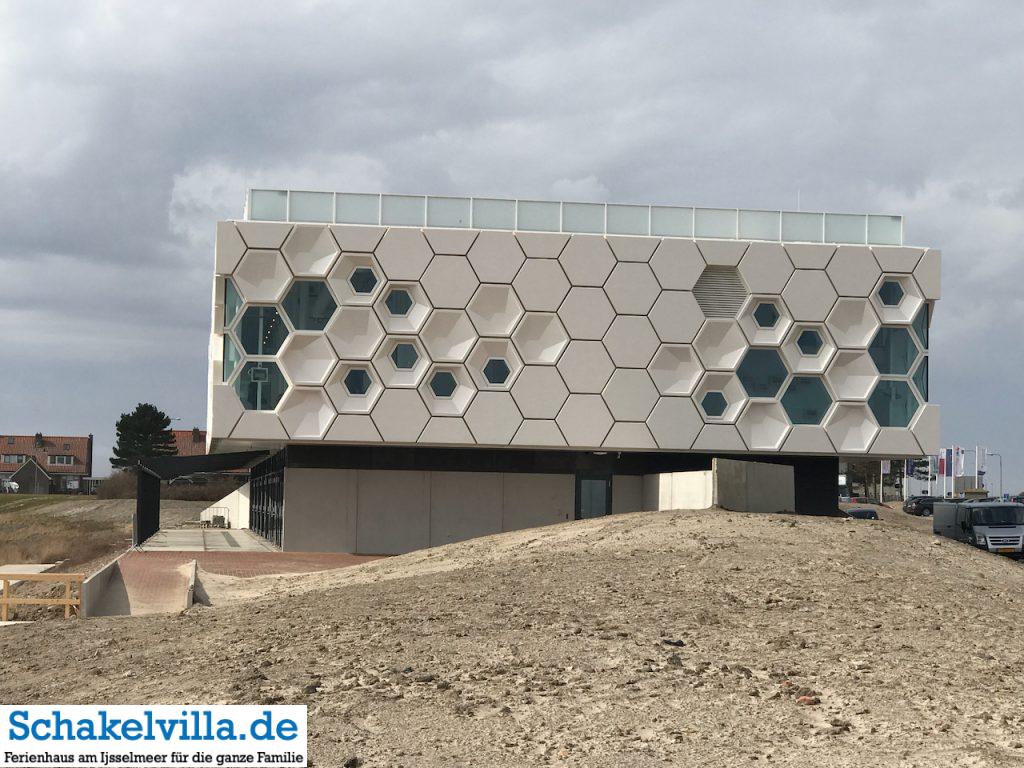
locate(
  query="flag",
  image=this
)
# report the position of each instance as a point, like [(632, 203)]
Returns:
[(941, 458), (959, 471), (949, 463), (982, 458)]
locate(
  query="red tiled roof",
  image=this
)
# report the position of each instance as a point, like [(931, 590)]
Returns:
[(190, 442), (50, 445)]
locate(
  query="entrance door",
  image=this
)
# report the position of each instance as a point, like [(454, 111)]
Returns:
[(593, 496)]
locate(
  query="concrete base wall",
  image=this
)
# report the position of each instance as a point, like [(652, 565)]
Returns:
[(234, 507), (753, 486), (678, 490), (385, 512)]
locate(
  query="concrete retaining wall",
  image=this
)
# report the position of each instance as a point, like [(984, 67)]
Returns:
[(94, 587), (234, 507), (678, 490), (753, 486)]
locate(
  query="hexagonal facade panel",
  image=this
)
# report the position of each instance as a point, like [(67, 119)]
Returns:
[(263, 234), (402, 307), (494, 364), (765, 320), (495, 310), (403, 254), (356, 239), (632, 288), (306, 413), (541, 245), (401, 361), (450, 282), (355, 333), (765, 268), (540, 338), (496, 257), (354, 388), (539, 392), (586, 313), (587, 260), (853, 270), (852, 322), (763, 426), (810, 255), (809, 296), (677, 264), (628, 248), (928, 274), (356, 279), (584, 420), (893, 403), (762, 373), (631, 341), (350, 428), (897, 259), (630, 434), (262, 276), (897, 299), (310, 250), (726, 400), (453, 242), (447, 390), (493, 418), (851, 427), (630, 394), (228, 249), (400, 415), (722, 253), (448, 335), (893, 351), (309, 305), (585, 366), (806, 400), (720, 292), (538, 432), (675, 369), (446, 430), (852, 375), (808, 348), (676, 317), (307, 359), (541, 285), (720, 344), (675, 423)]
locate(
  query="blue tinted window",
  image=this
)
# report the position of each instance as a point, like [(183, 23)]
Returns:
[(891, 293), (362, 280), (762, 372), (232, 302), (309, 305), (921, 326), (893, 403), (496, 371), (714, 404), (262, 331), (443, 384), (398, 302), (260, 386), (806, 400), (810, 342), (404, 356), (893, 351), (921, 378), (358, 381), (766, 315)]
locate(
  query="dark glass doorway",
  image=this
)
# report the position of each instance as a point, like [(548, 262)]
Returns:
[(593, 496)]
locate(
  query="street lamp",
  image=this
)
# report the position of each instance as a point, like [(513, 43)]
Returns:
[(1000, 472)]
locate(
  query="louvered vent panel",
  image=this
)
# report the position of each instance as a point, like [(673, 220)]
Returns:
[(720, 291)]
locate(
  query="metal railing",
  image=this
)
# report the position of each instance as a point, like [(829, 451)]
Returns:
[(572, 217)]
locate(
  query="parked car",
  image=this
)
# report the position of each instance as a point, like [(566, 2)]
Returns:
[(862, 513), (920, 505)]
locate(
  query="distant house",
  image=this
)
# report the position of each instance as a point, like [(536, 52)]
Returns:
[(46, 463), (190, 442)]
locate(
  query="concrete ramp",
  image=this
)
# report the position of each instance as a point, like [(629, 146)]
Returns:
[(136, 586)]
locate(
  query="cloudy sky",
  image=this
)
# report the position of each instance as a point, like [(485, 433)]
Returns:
[(127, 129)]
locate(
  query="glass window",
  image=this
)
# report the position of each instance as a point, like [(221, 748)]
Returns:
[(802, 227), (443, 384), (496, 370), (262, 331), (309, 305), (311, 206), (762, 373), (714, 404), (893, 403), (260, 386), (885, 230), (921, 326), (628, 219), (921, 378), (893, 351), (809, 342), (891, 293), (398, 302), (232, 357), (404, 356), (448, 211), (806, 400), (583, 217), (358, 381), (760, 225), (363, 280), (766, 315), (714, 222), (232, 302), (60, 460), (353, 208), (494, 214), (403, 210), (671, 222), (539, 216), (268, 205), (845, 228)]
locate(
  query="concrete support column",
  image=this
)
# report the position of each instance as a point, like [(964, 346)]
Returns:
[(816, 485)]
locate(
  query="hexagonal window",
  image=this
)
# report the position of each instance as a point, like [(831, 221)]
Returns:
[(232, 357), (398, 302), (809, 342), (404, 356), (762, 373), (496, 370), (921, 378), (363, 280), (358, 381), (443, 384), (262, 331), (714, 404), (893, 403), (891, 293), (806, 400), (893, 351), (309, 305), (260, 386), (232, 302), (766, 315)]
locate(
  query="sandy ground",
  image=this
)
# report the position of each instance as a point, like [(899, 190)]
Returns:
[(678, 638)]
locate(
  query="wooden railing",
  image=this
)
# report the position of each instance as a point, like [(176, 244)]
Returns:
[(70, 601)]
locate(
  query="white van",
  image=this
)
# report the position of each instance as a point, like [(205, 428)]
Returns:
[(995, 526)]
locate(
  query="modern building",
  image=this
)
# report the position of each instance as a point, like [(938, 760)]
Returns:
[(426, 369), (46, 463)]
